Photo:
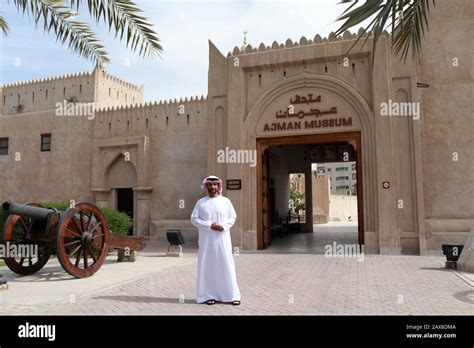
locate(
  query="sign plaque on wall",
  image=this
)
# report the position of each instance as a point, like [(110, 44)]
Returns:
[(306, 116), (234, 184)]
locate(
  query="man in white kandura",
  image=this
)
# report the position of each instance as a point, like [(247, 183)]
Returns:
[(214, 215)]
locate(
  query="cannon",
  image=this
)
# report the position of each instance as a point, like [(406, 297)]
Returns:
[(79, 235)]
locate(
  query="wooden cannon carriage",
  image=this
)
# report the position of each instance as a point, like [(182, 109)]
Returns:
[(79, 234)]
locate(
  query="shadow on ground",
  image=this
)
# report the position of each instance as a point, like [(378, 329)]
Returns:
[(47, 274), (145, 299), (465, 296)]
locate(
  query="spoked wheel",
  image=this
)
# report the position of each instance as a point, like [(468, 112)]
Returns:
[(82, 240), (16, 232)]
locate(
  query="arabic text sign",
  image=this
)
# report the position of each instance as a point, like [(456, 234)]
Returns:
[(234, 184), (284, 125)]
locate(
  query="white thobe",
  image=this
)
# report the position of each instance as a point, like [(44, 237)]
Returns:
[(216, 269)]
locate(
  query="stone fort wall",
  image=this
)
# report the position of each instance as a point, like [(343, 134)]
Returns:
[(176, 133)]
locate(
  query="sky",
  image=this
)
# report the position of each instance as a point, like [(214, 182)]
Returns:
[(184, 28)]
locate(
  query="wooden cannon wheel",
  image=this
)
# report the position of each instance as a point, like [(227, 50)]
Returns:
[(82, 240), (16, 231)]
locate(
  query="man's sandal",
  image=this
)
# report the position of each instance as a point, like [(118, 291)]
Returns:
[(211, 302), (235, 303)]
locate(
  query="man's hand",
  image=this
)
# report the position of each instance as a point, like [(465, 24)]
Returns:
[(216, 227)]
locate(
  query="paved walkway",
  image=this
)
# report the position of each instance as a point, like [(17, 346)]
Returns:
[(296, 282), (314, 243)]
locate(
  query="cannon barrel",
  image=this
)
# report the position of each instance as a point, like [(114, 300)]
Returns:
[(35, 213)]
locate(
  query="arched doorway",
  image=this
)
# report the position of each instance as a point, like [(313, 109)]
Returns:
[(333, 100), (264, 210), (121, 178), (123, 163)]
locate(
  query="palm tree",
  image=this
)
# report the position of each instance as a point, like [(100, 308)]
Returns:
[(121, 16), (296, 199), (406, 19)]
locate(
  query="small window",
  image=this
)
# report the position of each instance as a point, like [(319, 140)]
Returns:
[(45, 142), (3, 146)]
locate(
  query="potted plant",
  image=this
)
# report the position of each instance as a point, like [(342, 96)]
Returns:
[(296, 200), (120, 223)]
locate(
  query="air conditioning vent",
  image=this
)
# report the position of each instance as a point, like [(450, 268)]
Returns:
[(18, 108)]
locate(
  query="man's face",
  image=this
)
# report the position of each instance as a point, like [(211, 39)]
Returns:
[(212, 188)]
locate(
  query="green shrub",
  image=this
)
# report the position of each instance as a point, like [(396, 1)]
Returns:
[(58, 206), (118, 222)]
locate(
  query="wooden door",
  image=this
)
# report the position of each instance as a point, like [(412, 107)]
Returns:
[(266, 220)]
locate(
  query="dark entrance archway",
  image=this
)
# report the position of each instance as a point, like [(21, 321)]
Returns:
[(125, 203), (263, 189)]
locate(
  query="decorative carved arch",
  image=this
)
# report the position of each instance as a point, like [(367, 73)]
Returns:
[(129, 166), (361, 111), (113, 156)]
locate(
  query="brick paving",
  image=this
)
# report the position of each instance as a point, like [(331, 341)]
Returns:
[(295, 284), (291, 277)]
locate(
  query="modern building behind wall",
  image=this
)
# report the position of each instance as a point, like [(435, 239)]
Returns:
[(172, 145), (343, 176)]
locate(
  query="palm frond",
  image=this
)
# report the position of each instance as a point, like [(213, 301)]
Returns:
[(125, 17), (406, 19), (411, 28), (57, 18), (4, 26), (122, 16)]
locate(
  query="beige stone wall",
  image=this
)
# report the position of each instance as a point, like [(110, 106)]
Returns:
[(320, 187), (96, 86), (167, 147), (341, 207), (112, 91), (29, 175), (43, 94), (165, 144), (447, 123), (261, 81), (64, 173)]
